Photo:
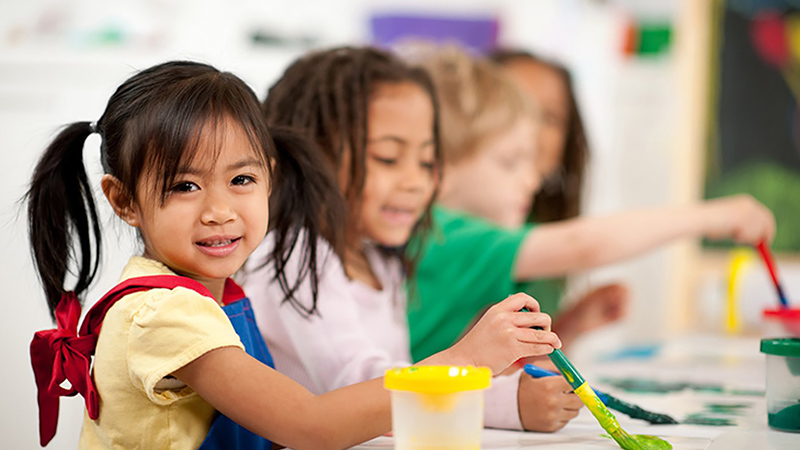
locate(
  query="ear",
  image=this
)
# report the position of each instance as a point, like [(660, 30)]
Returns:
[(120, 200)]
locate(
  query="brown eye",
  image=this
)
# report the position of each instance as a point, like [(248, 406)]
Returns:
[(185, 186), (241, 180)]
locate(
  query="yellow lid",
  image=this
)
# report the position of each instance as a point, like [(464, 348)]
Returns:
[(438, 379)]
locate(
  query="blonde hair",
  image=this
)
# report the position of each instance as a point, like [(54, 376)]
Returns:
[(476, 98)]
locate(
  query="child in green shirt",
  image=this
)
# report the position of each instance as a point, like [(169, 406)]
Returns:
[(481, 247)]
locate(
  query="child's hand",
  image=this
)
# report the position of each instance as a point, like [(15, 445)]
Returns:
[(739, 217), (504, 334), (597, 308), (546, 404)]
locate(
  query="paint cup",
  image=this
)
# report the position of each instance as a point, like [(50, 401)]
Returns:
[(437, 407), (781, 322), (783, 383)]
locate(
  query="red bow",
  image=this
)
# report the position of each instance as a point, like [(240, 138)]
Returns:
[(64, 354), (58, 355)]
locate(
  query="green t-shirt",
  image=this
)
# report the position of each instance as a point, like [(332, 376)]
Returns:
[(466, 267)]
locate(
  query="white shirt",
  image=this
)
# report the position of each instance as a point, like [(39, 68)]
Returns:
[(357, 333)]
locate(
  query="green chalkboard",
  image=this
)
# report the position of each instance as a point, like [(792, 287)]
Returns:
[(754, 144)]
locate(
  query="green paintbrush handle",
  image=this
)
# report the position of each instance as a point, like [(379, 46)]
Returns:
[(566, 368)]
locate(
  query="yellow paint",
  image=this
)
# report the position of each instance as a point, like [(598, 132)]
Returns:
[(597, 408), (740, 259), (439, 403)]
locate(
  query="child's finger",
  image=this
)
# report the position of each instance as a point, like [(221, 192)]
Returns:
[(533, 349), (518, 301), (532, 319), (529, 335)]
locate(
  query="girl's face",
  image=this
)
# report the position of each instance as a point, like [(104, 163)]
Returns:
[(214, 215), (400, 161), (547, 88), (498, 179)]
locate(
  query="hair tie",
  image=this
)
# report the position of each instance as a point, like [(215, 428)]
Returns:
[(93, 128)]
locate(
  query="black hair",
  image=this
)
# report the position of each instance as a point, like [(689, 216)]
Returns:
[(562, 201), (326, 95), (151, 125)]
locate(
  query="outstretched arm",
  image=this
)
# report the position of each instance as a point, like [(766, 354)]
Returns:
[(556, 249), (274, 406)]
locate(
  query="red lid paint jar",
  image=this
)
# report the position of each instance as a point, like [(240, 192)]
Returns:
[(779, 322)]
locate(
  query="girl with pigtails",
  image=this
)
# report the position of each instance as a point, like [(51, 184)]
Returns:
[(171, 356)]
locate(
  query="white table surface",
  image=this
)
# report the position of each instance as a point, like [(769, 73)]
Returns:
[(732, 361)]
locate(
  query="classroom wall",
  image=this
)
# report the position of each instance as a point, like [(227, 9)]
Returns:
[(60, 61)]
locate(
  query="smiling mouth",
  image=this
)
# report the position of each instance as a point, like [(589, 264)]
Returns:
[(214, 243)]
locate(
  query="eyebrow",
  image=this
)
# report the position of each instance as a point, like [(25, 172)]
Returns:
[(245, 163), (237, 165), (398, 140)]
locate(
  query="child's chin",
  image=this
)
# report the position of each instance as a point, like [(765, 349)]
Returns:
[(398, 240)]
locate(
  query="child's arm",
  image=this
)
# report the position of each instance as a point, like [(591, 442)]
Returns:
[(272, 405), (555, 249)]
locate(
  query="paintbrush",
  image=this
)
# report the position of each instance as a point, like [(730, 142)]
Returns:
[(612, 402), (599, 410), (766, 254), (593, 403)]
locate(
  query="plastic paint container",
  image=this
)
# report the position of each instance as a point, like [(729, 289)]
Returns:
[(781, 322), (437, 407), (783, 383)]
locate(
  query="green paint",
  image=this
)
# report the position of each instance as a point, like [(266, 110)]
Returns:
[(646, 441), (733, 409), (787, 419), (638, 412), (709, 421), (650, 386), (599, 410), (610, 424), (651, 442)]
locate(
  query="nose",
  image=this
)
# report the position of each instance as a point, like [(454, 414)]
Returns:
[(217, 208), (415, 177), (532, 179)]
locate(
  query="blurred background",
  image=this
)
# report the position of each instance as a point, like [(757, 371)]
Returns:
[(683, 99)]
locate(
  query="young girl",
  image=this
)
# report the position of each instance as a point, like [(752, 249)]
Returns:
[(188, 162), (561, 156), (481, 248), (376, 122)]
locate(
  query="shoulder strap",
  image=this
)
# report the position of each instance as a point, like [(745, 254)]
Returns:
[(63, 354)]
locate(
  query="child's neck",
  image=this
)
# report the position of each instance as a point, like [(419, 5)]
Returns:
[(357, 267), (214, 285)]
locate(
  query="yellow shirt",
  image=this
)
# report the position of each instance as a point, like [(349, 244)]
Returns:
[(145, 337)]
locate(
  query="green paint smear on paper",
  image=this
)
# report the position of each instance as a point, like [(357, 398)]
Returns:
[(732, 409), (649, 386), (709, 421), (645, 442)]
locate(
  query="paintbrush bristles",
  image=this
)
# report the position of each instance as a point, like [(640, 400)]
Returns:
[(625, 441)]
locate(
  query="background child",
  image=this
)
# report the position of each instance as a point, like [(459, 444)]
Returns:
[(561, 156), (376, 122), (185, 150), (480, 248)]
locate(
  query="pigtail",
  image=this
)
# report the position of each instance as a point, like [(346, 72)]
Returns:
[(305, 196), (60, 203)]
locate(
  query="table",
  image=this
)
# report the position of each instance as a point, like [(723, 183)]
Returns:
[(732, 363)]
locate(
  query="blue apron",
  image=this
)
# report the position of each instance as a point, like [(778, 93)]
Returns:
[(224, 432)]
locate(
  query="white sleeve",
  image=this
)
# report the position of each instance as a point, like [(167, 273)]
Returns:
[(501, 408), (331, 346)]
